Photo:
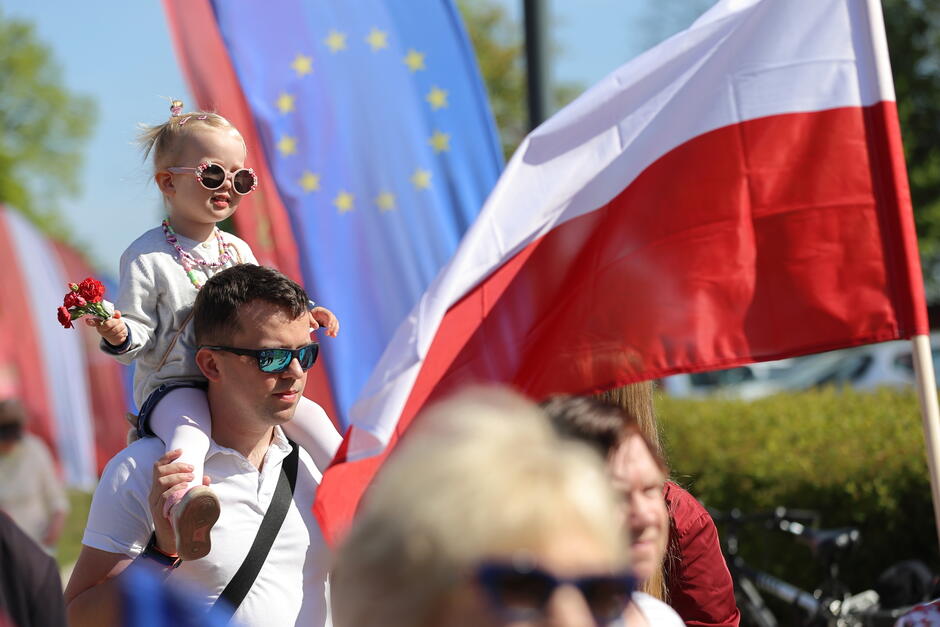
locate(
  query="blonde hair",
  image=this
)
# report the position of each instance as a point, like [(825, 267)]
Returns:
[(480, 475), (165, 141)]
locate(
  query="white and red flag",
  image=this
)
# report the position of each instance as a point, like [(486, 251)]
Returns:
[(736, 194)]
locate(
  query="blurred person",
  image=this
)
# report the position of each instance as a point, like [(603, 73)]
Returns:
[(142, 597), (482, 517), (246, 317), (199, 168), (30, 587), (700, 579), (31, 492)]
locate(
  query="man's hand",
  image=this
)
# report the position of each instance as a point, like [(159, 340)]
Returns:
[(168, 477), (323, 317), (113, 330)]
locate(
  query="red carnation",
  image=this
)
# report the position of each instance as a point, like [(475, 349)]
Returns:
[(65, 318), (72, 299), (91, 290)]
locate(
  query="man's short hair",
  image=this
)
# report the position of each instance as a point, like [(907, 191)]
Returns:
[(215, 319), (600, 424)]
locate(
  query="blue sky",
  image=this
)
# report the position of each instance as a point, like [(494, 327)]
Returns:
[(122, 56)]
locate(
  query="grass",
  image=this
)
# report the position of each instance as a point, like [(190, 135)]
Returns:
[(71, 541)]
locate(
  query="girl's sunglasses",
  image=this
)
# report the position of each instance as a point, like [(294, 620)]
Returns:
[(276, 360), (521, 593), (212, 176)]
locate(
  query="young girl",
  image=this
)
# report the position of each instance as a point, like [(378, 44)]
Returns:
[(199, 165)]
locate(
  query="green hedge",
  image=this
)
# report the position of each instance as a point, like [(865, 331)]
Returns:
[(857, 458)]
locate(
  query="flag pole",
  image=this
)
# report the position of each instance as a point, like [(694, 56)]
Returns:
[(536, 60), (930, 413)]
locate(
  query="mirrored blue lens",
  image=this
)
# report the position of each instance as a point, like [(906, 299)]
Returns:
[(308, 356), (274, 359)]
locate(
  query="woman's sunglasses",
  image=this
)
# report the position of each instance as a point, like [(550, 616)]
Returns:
[(212, 176), (521, 593), (276, 360)]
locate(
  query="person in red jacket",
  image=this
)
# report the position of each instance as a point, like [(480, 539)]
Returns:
[(698, 583), (694, 577)]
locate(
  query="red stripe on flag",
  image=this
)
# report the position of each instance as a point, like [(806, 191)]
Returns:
[(20, 352), (774, 237), (261, 218), (105, 385)]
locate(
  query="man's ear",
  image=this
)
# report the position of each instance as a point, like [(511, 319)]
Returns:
[(208, 364), (165, 182)]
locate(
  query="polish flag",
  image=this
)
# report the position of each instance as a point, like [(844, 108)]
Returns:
[(736, 194)]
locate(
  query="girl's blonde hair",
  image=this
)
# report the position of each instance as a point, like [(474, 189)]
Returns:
[(164, 141), (479, 476)]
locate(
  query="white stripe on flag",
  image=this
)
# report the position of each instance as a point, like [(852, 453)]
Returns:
[(66, 380)]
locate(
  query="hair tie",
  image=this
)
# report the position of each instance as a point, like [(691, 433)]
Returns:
[(176, 107)]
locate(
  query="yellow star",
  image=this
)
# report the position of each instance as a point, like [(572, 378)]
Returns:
[(336, 41), (310, 182), (287, 145), (302, 64), (414, 60), (344, 202), (285, 103), (440, 141), (378, 39), (437, 97), (385, 201), (421, 179)]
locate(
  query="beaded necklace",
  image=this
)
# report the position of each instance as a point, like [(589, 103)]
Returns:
[(189, 262)]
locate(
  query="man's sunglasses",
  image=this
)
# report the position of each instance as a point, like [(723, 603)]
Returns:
[(212, 176), (276, 360), (520, 593)]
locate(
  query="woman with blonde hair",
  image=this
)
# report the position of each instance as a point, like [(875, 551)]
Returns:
[(483, 516)]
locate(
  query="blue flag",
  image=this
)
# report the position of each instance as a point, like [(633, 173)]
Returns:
[(376, 127)]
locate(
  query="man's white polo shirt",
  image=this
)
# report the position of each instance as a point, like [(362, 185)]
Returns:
[(291, 587)]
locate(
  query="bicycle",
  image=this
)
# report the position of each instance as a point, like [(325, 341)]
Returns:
[(830, 605)]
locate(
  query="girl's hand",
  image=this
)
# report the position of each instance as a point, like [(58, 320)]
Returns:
[(169, 476), (113, 330), (323, 317)]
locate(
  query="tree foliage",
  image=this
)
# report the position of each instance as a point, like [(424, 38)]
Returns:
[(913, 29), (42, 127), (500, 50)]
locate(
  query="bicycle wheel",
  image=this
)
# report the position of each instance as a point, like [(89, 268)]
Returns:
[(754, 612)]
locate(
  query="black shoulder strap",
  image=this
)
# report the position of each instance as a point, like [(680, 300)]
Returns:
[(238, 587)]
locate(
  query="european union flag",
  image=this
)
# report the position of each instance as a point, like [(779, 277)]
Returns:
[(376, 126)]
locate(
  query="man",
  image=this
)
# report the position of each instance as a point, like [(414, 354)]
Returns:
[(31, 492), (238, 312)]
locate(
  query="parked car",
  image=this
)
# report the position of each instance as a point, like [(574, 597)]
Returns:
[(862, 367), (701, 384)]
